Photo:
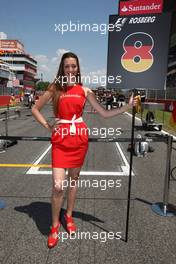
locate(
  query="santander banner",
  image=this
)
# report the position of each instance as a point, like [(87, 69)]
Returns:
[(140, 7)]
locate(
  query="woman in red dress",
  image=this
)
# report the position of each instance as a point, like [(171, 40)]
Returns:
[(69, 135)]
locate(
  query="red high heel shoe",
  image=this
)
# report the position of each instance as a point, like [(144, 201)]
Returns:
[(69, 220), (52, 240)]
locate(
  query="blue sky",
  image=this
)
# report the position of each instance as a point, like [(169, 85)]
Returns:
[(33, 23)]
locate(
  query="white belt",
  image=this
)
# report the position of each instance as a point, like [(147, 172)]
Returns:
[(72, 122)]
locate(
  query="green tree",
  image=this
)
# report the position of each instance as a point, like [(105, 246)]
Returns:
[(42, 86)]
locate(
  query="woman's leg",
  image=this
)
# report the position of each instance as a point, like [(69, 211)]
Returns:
[(58, 176), (73, 174)]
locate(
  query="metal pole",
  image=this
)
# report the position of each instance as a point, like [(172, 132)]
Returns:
[(159, 138), (6, 122), (130, 175), (6, 125), (167, 174), (2, 202), (166, 209)]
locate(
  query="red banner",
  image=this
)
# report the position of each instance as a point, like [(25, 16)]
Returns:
[(173, 115), (140, 7), (4, 100)]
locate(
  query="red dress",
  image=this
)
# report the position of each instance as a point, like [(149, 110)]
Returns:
[(69, 147)]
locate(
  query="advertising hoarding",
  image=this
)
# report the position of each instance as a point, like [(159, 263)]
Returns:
[(138, 51)]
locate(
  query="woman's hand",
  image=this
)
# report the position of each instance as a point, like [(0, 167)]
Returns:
[(48, 126), (133, 101), (53, 127)]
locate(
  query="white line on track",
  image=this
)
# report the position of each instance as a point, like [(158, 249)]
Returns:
[(86, 173), (35, 170), (124, 168)]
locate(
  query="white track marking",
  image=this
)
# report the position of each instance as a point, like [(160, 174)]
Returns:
[(86, 173), (166, 133), (137, 118), (124, 168), (34, 170)]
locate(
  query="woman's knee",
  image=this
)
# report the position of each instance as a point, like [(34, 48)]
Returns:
[(58, 187), (74, 174), (58, 180)]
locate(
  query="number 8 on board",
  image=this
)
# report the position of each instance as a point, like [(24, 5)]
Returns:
[(137, 57)]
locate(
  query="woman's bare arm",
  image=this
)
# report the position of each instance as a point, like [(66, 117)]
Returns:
[(103, 112), (43, 100)]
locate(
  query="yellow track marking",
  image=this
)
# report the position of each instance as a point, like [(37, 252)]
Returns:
[(25, 165)]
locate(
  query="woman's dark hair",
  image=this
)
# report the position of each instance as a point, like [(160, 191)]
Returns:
[(59, 84), (60, 77)]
